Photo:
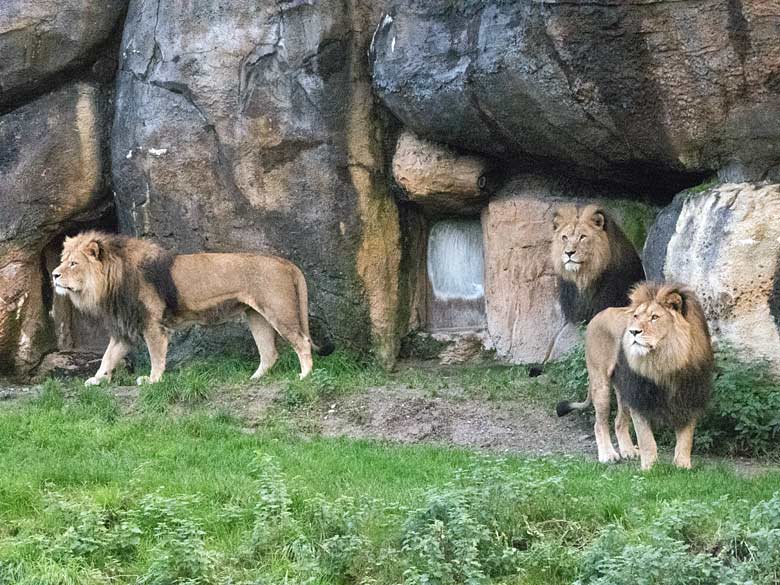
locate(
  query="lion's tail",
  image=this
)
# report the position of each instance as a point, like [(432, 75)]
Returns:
[(566, 406), (328, 346)]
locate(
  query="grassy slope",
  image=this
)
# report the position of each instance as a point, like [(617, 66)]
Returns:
[(81, 451)]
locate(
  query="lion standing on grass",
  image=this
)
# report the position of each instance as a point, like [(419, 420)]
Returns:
[(659, 355), (143, 292)]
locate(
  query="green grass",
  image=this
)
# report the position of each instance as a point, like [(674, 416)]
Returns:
[(89, 496), (342, 373)]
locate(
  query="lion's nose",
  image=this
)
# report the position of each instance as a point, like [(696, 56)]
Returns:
[(56, 275), (635, 332), (569, 254)]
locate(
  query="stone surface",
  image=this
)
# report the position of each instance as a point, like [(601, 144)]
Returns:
[(634, 91), (438, 178), (252, 127), (69, 364), (725, 243), (525, 321), (41, 38), (51, 178)]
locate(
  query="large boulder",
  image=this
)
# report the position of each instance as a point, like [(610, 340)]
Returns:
[(52, 177), (252, 127), (725, 242), (42, 38), (634, 91)]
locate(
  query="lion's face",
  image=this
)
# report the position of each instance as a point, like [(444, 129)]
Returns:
[(80, 273), (580, 246), (658, 337), (648, 328)]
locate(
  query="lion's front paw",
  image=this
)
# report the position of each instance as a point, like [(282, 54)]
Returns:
[(630, 453), (141, 380), (682, 463), (93, 381), (610, 456)]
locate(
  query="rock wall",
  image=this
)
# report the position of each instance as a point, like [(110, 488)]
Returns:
[(725, 243), (275, 127), (632, 90), (258, 133), (52, 179), (40, 40)]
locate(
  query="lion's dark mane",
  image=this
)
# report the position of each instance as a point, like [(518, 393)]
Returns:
[(125, 315), (661, 404)]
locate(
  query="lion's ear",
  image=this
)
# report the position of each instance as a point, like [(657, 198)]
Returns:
[(557, 219), (675, 302), (599, 219), (92, 250)]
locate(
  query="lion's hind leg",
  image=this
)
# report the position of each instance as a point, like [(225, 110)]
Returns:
[(600, 396), (300, 342), (265, 339)]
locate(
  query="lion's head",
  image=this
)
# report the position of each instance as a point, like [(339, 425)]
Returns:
[(667, 331), (581, 247), (83, 273)]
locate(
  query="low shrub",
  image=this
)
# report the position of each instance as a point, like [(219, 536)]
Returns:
[(744, 415)]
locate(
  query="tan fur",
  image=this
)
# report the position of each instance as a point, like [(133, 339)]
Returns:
[(678, 349), (143, 292), (581, 231)]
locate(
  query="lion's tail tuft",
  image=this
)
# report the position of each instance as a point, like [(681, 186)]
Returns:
[(327, 348), (566, 406)]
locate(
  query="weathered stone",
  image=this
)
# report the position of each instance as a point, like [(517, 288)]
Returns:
[(258, 132), (41, 38), (68, 364), (463, 348), (625, 90), (436, 177), (725, 243), (51, 178), (525, 321)]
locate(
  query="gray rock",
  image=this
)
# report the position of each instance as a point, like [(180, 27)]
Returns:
[(51, 179), (235, 130), (725, 243), (638, 91), (41, 38)]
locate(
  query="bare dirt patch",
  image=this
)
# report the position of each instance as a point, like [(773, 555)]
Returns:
[(409, 416)]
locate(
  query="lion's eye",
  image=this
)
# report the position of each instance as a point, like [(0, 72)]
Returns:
[(564, 238), (636, 316), (73, 263), (582, 237), (654, 318)]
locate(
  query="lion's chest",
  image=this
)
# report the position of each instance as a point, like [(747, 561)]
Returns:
[(675, 406)]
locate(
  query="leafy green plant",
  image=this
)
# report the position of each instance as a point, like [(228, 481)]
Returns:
[(570, 373), (744, 415)]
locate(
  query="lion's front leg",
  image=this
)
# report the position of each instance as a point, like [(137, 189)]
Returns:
[(157, 343), (683, 445), (625, 444), (116, 350), (648, 452)]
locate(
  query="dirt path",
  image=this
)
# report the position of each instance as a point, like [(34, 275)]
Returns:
[(409, 416)]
